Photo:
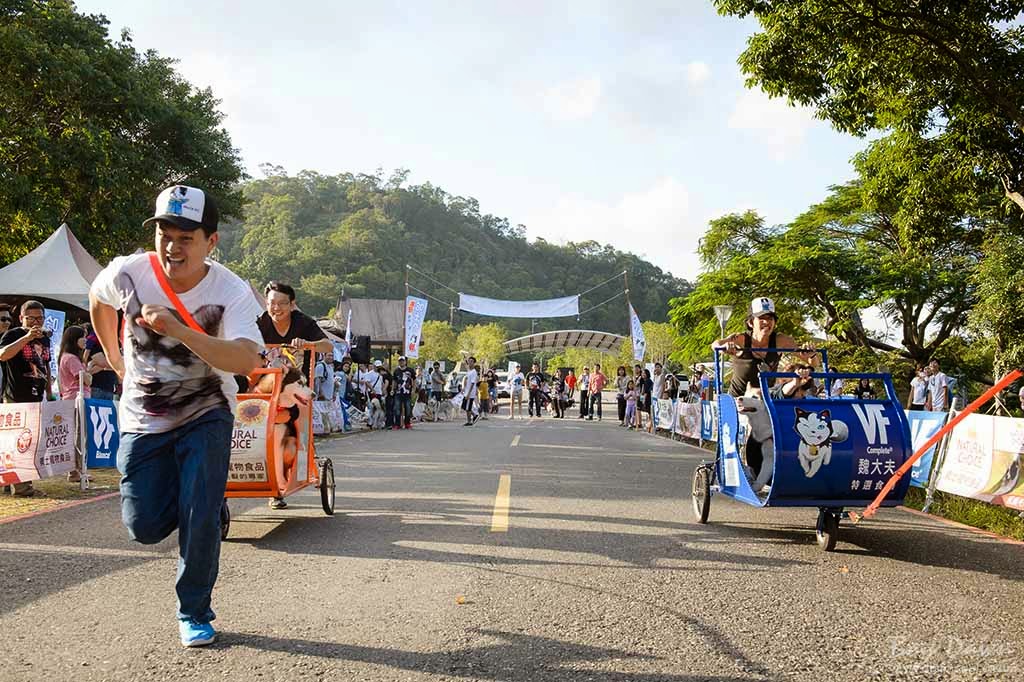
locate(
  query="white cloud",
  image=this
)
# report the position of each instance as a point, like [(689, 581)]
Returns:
[(771, 121), (572, 100), (697, 73), (656, 223)]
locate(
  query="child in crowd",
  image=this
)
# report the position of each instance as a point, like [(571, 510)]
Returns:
[(484, 395), (631, 404)]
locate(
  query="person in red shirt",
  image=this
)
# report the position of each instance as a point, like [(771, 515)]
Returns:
[(570, 382), (597, 383)]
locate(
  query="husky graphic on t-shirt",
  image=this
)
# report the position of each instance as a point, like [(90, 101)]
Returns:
[(172, 380)]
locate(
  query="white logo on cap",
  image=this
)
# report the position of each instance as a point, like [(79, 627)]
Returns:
[(187, 202)]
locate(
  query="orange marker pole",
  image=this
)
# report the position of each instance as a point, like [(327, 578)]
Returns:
[(891, 483)]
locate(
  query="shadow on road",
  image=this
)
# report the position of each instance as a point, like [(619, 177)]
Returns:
[(446, 531), (516, 657), (923, 543)]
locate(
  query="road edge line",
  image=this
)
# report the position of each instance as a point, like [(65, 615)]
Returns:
[(59, 507), (957, 524)]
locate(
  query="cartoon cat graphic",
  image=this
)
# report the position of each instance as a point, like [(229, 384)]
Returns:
[(817, 434)]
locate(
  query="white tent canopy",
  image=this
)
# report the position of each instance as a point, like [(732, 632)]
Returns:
[(566, 338), (60, 268)]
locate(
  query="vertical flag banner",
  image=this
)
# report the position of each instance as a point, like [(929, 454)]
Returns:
[(348, 329), (636, 331), (102, 435), (923, 425), (54, 322), (415, 313)]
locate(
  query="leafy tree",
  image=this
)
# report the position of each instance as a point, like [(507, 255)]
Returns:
[(439, 341), (91, 130), (663, 341), (578, 358), (486, 342), (953, 68)]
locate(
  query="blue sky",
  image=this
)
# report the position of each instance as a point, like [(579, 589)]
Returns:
[(624, 122)]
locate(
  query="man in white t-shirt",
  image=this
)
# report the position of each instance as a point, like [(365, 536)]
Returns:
[(190, 325), (938, 385), (469, 384)]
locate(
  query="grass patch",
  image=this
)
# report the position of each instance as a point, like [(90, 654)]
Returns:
[(54, 492), (990, 517)]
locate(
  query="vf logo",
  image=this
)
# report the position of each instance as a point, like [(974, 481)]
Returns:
[(102, 426), (873, 420)]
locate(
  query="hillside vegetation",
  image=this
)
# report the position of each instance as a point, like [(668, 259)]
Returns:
[(328, 233)]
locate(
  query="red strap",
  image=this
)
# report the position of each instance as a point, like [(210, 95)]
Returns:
[(158, 270)]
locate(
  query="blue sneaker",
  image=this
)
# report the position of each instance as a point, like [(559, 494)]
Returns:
[(196, 634)]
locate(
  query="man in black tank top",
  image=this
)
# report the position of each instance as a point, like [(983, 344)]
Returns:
[(747, 365)]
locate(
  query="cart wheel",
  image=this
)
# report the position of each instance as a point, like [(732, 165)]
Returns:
[(701, 494), (327, 486), (225, 520), (827, 530)]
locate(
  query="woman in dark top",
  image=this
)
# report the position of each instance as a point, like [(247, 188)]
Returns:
[(865, 391), (647, 389)]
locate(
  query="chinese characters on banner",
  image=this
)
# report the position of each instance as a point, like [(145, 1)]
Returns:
[(37, 440), (983, 460), (415, 313), (249, 441)]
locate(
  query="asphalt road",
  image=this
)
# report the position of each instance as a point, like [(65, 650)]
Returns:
[(601, 575)]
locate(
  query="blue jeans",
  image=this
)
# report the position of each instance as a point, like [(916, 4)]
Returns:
[(100, 394), (176, 480), (403, 409)]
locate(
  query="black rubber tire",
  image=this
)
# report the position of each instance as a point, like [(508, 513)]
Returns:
[(225, 520), (327, 491), (827, 530), (700, 494)]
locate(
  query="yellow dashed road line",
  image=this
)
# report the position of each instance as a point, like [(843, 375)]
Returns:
[(499, 519)]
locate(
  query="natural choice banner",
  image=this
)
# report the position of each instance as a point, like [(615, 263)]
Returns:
[(553, 307), (37, 440), (415, 313), (983, 460)]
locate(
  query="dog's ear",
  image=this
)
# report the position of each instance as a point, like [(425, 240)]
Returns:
[(825, 414)]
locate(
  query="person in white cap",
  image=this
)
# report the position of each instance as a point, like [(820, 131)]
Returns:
[(189, 326), (747, 365)]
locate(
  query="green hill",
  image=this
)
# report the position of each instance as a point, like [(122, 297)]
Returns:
[(326, 233)]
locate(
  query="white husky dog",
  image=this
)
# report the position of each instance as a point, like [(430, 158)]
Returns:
[(817, 433)]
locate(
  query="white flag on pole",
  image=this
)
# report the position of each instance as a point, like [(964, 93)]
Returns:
[(415, 313), (637, 332)]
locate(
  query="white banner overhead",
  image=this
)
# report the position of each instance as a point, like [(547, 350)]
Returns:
[(552, 307)]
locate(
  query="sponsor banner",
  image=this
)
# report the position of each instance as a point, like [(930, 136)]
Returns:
[(37, 440), (566, 306), (665, 414), (923, 425), (837, 449), (53, 321), (636, 332), (102, 435), (249, 441), (983, 460), (708, 420), (415, 313), (688, 420)]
